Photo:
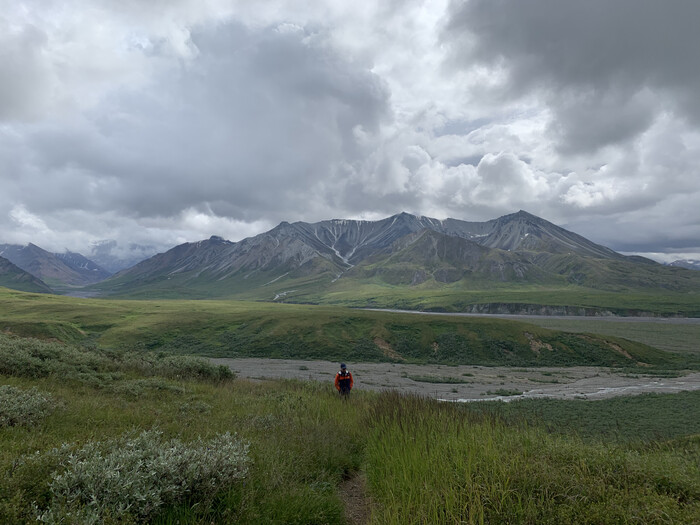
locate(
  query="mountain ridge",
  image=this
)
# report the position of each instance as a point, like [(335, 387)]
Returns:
[(400, 250), (56, 269)]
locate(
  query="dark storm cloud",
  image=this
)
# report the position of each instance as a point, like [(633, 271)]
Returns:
[(605, 68), (257, 118)]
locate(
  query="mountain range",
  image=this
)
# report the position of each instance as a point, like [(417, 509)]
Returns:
[(296, 261), (55, 270), (310, 262), (690, 264)]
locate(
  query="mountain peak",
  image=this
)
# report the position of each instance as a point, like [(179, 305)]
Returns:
[(404, 216), (521, 215)]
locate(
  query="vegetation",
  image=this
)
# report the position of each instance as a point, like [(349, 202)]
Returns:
[(436, 379), (437, 463), (672, 337), (625, 419), (231, 329), (34, 358), (22, 407), (301, 447), (227, 450), (106, 417), (504, 392), (134, 477), (489, 297)]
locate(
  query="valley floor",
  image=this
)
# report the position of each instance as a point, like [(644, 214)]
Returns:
[(471, 383)]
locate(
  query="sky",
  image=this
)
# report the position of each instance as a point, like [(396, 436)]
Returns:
[(130, 126)]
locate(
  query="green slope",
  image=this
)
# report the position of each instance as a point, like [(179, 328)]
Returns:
[(11, 276), (221, 328)]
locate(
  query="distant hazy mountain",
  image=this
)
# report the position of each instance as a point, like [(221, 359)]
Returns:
[(402, 250), (68, 268), (12, 276), (108, 255), (689, 264)]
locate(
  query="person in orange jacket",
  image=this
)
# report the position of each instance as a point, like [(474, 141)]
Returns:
[(343, 380)]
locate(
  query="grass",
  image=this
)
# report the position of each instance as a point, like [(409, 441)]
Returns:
[(508, 298), (300, 444), (425, 461), (504, 392), (437, 379), (430, 463), (672, 337), (645, 417), (238, 329)]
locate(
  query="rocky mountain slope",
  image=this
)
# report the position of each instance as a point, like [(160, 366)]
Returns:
[(402, 250), (12, 276), (690, 264), (71, 269)]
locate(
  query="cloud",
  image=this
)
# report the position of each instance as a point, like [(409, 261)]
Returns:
[(261, 115), (23, 218), (604, 68), (154, 123)]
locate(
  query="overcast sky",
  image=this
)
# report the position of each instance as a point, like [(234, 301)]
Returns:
[(137, 125)]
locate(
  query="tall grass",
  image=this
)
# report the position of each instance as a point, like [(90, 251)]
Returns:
[(433, 463)]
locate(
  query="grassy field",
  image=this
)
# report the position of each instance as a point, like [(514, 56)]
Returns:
[(516, 298), (431, 463), (681, 338), (237, 329), (624, 419), (80, 428)]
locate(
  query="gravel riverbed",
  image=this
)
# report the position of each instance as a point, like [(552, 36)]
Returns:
[(469, 383)]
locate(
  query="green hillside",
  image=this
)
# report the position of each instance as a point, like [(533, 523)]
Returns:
[(229, 329)]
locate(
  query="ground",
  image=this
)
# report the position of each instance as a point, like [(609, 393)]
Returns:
[(470, 383), (357, 505)]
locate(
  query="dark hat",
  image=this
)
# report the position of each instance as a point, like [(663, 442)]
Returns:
[(342, 365)]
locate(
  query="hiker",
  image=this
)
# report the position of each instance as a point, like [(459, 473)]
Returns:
[(343, 380)]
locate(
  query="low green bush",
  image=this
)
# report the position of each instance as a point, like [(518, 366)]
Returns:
[(32, 358), (20, 407), (24, 357), (189, 367), (134, 477)]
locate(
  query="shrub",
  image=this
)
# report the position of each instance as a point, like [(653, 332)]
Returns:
[(189, 367), (34, 358), (22, 407), (135, 477), (98, 368)]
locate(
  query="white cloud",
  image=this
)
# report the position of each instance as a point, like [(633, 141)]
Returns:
[(25, 219), (154, 122)]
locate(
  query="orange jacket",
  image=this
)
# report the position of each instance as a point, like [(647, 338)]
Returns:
[(343, 381)]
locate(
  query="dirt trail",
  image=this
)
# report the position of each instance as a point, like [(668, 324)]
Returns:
[(353, 492), (470, 383)]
